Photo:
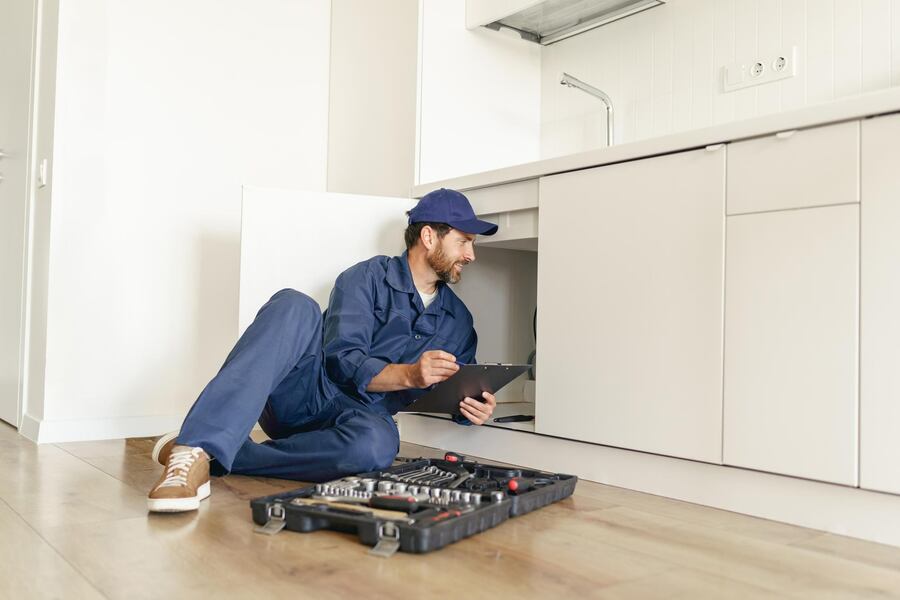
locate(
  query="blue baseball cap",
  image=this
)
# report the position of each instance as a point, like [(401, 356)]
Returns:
[(452, 208)]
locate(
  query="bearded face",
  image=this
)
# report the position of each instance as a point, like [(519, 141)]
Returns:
[(448, 268)]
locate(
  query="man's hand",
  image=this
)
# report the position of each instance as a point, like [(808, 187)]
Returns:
[(432, 367), (478, 412)]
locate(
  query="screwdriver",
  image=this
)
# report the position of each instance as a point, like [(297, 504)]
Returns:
[(520, 485)]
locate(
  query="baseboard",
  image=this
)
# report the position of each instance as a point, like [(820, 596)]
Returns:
[(44, 431), (30, 427), (828, 507)]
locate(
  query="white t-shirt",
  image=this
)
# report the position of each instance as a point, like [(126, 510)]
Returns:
[(427, 298)]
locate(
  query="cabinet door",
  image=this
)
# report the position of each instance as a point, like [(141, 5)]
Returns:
[(303, 240), (880, 281), (791, 316), (629, 339)]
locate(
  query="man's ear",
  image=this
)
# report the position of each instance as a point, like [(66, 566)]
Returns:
[(427, 235)]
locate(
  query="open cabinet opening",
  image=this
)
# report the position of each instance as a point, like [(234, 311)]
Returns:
[(500, 290)]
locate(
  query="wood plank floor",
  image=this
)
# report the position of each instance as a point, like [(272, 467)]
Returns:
[(74, 524)]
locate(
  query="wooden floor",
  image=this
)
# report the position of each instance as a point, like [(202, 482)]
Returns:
[(74, 524)]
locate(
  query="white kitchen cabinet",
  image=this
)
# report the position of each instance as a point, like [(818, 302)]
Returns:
[(880, 297), (818, 166), (791, 335), (629, 302)]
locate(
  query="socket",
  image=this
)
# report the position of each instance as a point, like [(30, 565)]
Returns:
[(759, 70)]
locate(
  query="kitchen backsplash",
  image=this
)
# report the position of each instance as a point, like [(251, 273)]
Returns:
[(663, 67)]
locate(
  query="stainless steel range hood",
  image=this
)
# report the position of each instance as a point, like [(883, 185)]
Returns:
[(555, 20)]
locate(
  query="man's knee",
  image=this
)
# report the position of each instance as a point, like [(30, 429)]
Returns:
[(384, 452), (374, 448), (295, 303)]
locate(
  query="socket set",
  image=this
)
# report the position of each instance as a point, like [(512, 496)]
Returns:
[(417, 506)]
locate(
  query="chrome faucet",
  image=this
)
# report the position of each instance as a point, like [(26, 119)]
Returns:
[(574, 82)]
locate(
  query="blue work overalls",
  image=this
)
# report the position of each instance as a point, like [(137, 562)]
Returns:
[(303, 376)]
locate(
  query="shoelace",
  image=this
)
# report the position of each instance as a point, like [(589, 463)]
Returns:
[(179, 464)]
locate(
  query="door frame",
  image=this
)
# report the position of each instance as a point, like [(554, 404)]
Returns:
[(20, 63), (36, 239)]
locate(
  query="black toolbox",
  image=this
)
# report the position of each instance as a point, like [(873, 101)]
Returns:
[(417, 506)]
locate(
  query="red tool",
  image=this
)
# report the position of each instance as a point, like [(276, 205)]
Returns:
[(445, 515), (454, 457), (407, 504), (520, 485)]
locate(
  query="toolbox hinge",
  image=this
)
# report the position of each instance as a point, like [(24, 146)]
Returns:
[(275, 519), (388, 540)]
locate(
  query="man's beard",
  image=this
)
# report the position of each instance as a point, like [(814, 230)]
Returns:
[(443, 266)]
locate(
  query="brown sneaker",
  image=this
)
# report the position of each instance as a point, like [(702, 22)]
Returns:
[(183, 484), (163, 447)]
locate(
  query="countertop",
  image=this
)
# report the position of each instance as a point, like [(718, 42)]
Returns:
[(855, 107)]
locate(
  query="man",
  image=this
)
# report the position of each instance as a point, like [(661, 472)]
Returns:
[(324, 387)]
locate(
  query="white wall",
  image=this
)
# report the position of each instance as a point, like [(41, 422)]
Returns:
[(479, 103), (163, 110), (372, 116), (662, 67)]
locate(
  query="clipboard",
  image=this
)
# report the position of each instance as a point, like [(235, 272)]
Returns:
[(469, 381)]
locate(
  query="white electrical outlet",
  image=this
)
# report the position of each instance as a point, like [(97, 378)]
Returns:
[(760, 70)]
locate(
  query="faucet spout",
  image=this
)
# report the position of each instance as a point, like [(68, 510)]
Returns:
[(573, 82)]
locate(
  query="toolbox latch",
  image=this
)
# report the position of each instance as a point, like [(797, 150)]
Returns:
[(275, 520), (388, 540)]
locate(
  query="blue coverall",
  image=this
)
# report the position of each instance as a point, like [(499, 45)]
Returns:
[(303, 376)]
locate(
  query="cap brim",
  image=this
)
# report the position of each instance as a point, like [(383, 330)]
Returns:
[(475, 226)]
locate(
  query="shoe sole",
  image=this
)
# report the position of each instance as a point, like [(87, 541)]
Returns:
[(160, 443), (179, 504)]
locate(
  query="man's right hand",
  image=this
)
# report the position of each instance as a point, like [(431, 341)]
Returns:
[(432, 367)]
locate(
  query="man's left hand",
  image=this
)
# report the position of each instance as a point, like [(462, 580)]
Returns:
[(478, 412)]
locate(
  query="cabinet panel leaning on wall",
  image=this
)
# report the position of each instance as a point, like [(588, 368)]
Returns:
[(630, 283)]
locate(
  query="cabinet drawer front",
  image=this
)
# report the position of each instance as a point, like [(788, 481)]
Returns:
[(791, 336), (518, 230), (504, 198), (808, 167)]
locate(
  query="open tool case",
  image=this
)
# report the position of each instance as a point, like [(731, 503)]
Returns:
[(418, 506)]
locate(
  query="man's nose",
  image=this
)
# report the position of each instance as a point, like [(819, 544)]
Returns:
[(469, 255)]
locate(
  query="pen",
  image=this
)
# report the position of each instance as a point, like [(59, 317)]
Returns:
[(513, 418)]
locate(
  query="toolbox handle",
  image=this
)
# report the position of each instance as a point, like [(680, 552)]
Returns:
[(388, 540), (275, 521)]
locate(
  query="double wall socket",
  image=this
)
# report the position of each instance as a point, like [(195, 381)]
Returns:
[(758, 71)]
